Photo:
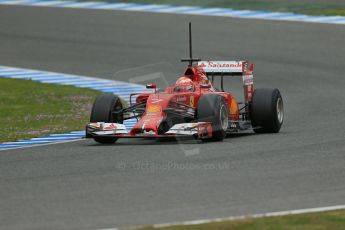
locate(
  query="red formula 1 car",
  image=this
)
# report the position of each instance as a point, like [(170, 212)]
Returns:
[(192, 107)]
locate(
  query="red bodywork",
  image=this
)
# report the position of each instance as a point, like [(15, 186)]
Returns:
[(156, 107), (157, 102)]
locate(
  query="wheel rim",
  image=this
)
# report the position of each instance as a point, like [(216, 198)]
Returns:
[(224, 117), (280, 110)]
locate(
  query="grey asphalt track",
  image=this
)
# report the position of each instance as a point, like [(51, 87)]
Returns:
[(83, 185)]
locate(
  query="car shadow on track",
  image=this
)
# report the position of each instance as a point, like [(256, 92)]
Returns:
[(150, 141), (165, 141), (236, 135)]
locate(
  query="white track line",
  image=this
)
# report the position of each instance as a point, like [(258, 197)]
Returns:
[(214, 220), (37, 145)]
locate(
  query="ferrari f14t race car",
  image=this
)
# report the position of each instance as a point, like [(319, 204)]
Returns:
[(191, 107)]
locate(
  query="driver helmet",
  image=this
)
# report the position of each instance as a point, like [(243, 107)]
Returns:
[(184, 84)]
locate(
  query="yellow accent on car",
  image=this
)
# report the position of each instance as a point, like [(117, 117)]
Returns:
[(191, 101), (154, 109)]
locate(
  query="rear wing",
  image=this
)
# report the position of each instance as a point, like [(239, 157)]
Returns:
[(231, 68)]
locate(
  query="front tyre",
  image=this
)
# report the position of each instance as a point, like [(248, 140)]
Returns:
[(213, 108), (102, 111), (267, 111)]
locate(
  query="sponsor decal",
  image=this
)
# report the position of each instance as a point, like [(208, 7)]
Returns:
[(221, 66), (183, 81), (191, 101), (181, 99), (245, 67), (156, 100), (109, 126), (248, 79), (150, 116), (249, 89)]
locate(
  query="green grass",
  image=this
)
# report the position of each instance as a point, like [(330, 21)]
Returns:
[(30, 109), (333, 220), (296, 6)]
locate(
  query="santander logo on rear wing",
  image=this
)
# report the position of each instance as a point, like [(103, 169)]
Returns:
[(232, 68), (221, 66)]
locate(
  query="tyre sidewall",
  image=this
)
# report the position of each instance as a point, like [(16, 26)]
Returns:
[(208, 110), (102, 110), (264, 112), (103, 107)]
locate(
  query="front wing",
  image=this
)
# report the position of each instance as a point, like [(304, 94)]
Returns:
[(199, 130)]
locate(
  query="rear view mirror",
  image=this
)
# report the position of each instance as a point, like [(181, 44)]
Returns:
[(151, 86)]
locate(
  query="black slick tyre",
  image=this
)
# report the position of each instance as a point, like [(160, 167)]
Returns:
[(213, 108), (102, 111), (267, 111)]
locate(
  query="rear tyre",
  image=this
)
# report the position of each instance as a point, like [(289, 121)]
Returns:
[(102, 111), (267, 111), (213, 108)]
